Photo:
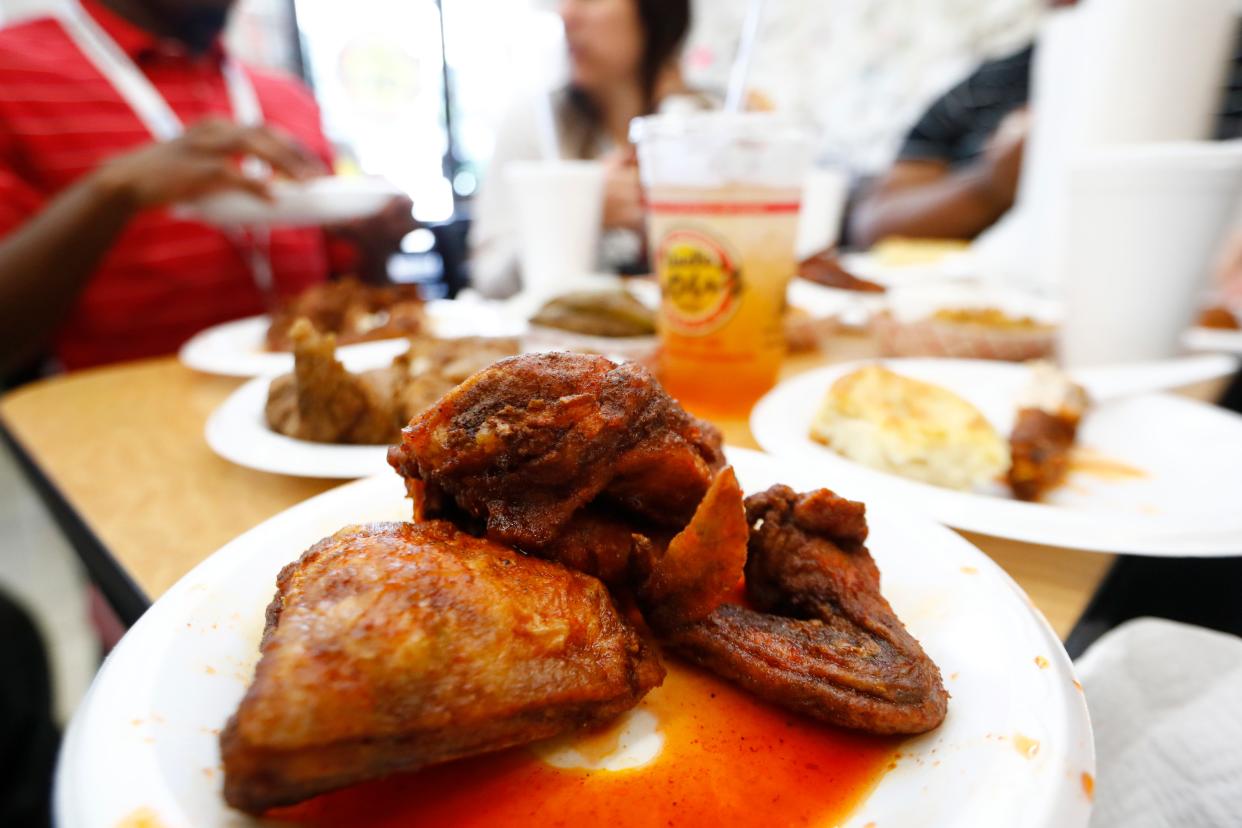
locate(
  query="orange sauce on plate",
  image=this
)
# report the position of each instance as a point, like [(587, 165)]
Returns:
[(726, 756)]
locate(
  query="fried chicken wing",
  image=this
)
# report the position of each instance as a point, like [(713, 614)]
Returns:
[(823, 641), (390, 647), (323, 402)]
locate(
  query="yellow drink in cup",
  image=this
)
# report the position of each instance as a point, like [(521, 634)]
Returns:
[(723, 193)]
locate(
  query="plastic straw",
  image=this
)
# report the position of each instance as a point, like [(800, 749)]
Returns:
[(736, 98), (549, 142)]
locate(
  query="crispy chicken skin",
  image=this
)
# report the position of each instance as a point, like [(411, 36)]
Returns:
[(576, 459), (823, 641), (390, 647), (525, 444)]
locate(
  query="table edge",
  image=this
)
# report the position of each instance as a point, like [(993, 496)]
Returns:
[(127, 599)]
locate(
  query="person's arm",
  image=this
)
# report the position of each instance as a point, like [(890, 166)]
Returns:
[(929, 199), (47, 261)]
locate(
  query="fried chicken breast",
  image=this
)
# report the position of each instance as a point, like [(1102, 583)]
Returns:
[(391, 647)]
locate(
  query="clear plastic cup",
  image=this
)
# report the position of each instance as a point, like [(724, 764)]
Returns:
[(723, 196)]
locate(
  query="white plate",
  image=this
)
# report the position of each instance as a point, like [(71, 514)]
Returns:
[(1213, 340), (238, 432), (1190, 452), (950, 267), (319, 201), (145, 737), (236, 349)]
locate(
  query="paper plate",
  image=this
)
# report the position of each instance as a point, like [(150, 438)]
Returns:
[(1016, 748), (236, 349), (1213, 340), (319, 201), (1184, 503), (238, 432)]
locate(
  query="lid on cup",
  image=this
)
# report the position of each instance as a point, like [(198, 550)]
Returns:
[(712, 149), (740, 126)]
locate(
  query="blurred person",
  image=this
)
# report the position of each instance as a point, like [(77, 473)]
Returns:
[(624, 63), (957, 172), (112, 111)]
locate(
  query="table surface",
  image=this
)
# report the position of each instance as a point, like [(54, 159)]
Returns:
[(124, 447)]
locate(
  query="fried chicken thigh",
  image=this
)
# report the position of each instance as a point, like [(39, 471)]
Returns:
[(390, 647), (823, 642), (576, 459)]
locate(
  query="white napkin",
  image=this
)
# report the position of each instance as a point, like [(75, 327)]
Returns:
[(1166, 707)]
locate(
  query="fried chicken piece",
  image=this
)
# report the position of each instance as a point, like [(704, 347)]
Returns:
[(323, 402), (528, 442), (821, 641), (575, 459), (391, 647), (353, 311), (1044, 433), (433, 367)]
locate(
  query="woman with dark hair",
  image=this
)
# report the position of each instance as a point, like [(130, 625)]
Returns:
[(624, 63)]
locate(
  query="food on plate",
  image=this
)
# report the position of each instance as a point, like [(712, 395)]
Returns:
[(901, 251), (323, 402), (1219, 318), (354, 312), (575, 458), (391, 647), (993, 318), (910, 428), (1044, 432), (825, 268), (805, 332), (966, 333), (821, 639), (607, 313), (591, 464)]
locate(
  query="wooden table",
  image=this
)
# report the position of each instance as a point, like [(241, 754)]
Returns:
[(119, 455)]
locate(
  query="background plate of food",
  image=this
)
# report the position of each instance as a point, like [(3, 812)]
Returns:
[(336, 411), (969, 442), (1015, 748), (368, 322)]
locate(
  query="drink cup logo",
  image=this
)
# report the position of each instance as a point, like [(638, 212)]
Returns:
[(700, 281)]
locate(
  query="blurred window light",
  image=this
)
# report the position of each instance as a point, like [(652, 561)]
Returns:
[(421, 240)]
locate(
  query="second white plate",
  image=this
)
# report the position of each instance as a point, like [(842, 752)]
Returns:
[(1184, 504)]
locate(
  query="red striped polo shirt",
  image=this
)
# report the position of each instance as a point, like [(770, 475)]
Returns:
[(166, 278)]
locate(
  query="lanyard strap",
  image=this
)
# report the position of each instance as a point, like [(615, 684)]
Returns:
[(138, 91), (163, 124)]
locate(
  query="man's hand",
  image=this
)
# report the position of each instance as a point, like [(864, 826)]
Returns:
[(204, 160), (623, 192), (377, 237)]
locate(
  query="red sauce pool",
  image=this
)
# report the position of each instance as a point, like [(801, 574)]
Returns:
[(726, 756)]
